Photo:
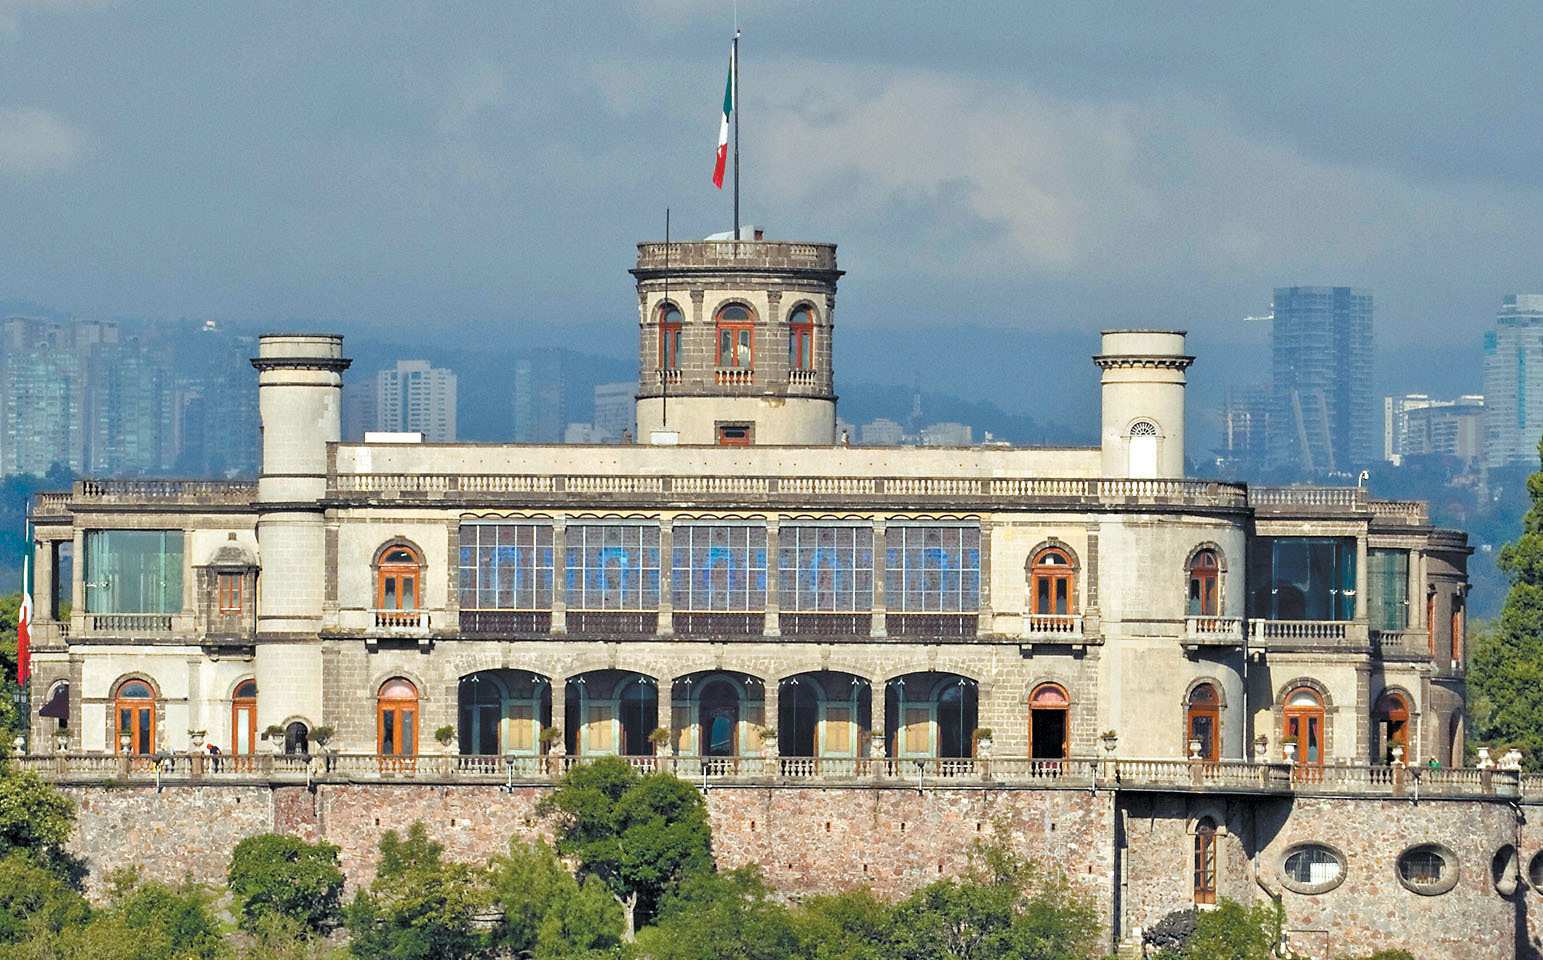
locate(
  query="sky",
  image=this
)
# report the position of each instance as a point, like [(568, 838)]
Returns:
[(485, 169)]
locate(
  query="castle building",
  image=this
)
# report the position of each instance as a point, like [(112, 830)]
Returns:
[(748, 601)]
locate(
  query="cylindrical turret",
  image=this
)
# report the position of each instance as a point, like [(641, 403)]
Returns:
[(1143, 402), (735, 342), (300, 399)]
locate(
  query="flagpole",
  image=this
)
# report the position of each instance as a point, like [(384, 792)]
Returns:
[(664, 371), (735, 58)]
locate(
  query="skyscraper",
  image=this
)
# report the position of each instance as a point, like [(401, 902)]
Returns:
[(1513, 382), (418, 398), (539, 393), (1323, 417)]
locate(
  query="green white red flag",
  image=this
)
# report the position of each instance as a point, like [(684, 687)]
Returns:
[(24, 629), (723, 125)]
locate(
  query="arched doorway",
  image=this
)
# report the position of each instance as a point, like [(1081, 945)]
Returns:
[(1048, 727), (1203, 721), (1205, 861), (1304, 721), (931, 715), (611, 712), (823, 714), (134, 706), (1390, 725), (396, 716), (297, 739), (718, 717), (243, 719)]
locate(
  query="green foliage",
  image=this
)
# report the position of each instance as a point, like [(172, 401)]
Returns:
[(34, 817), (639, 835), (852, 925), (277, 937), (720, 916), (35, 901), (1506, 666), (143, 921), (547, 911), (10, 611), (273, 874), (1232, 932), (419, 905)]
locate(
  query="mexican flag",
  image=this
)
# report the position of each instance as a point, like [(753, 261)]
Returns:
[(723, 125), (23, 631)]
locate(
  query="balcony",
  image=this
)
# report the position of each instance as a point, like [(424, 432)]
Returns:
[(803, 378), (1077, 773), (1201, 632), (131, 624), (734, 377), (505, 622), (1346, 636), (1052, 627)]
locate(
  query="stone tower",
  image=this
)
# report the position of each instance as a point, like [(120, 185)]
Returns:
[(300, 400), (1143, 402), (735, 342)]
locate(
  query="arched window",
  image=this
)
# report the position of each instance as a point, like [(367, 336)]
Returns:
[(670, 323), (243, 718), (1205, 861), (1143, 449), (1047, 722), (1050, 583), (719, 720), (297, 739), (398, 578), (1457, 628), (396, 715), (801, 339), (1204, 579), (1390, 725), (1304, 720), (134, 705), (736, 331), (1204, 719)]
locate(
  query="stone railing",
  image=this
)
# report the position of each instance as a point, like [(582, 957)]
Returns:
[(1005, 490), (406, 620), (803, 378), (1400, 511), (234, 492), (1068, 624), (1213, 631), (129, 623), (1223, 776), (734, 377), (1353, 498), (668, 376), (1310, 630), (736, 253), (51, 504)]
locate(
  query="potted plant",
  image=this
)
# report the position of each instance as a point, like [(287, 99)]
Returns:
[(1288, 745), (659, 737), (1110, 740), (445, 735), (550, 736), (62, 738), (196, 738), (1194, 748), (321, 736), (125, 737), (275, 737), (982, 738), (1261, 747)]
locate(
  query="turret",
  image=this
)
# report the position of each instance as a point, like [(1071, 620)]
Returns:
[(1143, 402), (735, 342)]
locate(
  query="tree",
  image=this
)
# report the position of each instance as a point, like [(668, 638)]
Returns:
[(34, 817), (640, 835), (273, 874), (547, 911), (720, 916), (35, 901), (851, 925), (419, 907), (1231, 932), (1506, 670)]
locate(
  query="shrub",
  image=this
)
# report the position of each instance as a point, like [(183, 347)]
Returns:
[(419, 907), (285, 876)]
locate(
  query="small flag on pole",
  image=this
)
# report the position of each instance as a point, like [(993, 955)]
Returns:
[(723, 125), (24, 629)]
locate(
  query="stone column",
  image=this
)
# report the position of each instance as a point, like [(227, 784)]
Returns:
[(78, 587), (987, 620), (1414, 617), (559, 599), (666, 626), (879, 628), (876, 711), (1360, 578), (773, 710), (773, 625), (560, 710)]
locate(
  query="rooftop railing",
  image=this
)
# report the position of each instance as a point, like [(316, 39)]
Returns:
[(168, 770)]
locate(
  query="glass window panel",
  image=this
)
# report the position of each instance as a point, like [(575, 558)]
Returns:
[(133, 571), (932, 569), (612, 567), (388, 731), (506, 566), (719, 567)]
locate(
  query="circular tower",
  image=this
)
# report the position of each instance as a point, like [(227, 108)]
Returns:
[(1143, 402), (735, 342)]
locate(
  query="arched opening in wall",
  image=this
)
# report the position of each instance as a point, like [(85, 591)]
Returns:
[(1505, 870), (1457, 748), (502, 712), (1203, 721), (1205, 861), (1143, 449), (671, 322), (1051, 591), (1048, 727), (396, 719), (930, 715), (801, 339), (297, 739), (1535, 872), (1390, 728), (243, 719), (718, 714), (1304, 722), (1204, 581), (611, 712), (823, 714), (134, 707), (398, 578), (1459, 639), (1430, 622), (735, 329)]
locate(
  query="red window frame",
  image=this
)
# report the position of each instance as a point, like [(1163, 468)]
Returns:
[(1204, 579), (399, 579), (801, 339), (670, 326), (230, 592), (735, 329), (1205, 861)]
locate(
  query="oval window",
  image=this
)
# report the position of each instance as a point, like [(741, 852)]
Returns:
[(1311, 868), (1428, 869), (1535, 872), (1504, 870)]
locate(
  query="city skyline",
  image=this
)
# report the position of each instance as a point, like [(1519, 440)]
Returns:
[(436, 176)]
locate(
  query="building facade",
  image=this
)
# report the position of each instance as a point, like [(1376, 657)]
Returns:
[(1513, 382), (415, 397), (1324, 416), (1186, 675)]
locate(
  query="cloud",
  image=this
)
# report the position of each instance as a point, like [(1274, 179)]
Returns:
[(34, 142)]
